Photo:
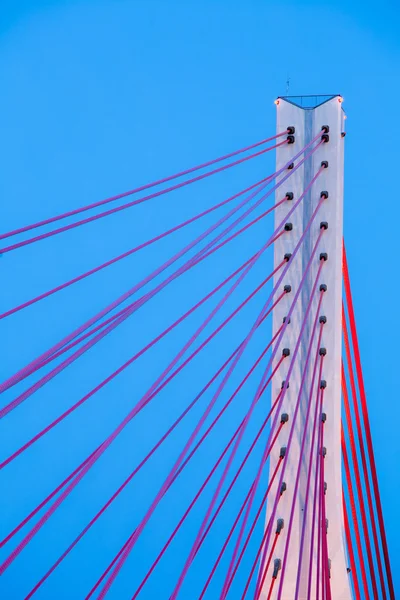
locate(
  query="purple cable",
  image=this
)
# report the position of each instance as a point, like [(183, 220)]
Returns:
[(111, 211), (126, 420), (316, 497), (155, 502), (71, 213), (224, 475), (303, 441), (227, 578), (319, 524), (129, 252), (291, 366), (27, 370), (308, 485)]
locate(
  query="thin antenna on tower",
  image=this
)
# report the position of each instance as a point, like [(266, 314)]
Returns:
[(287, 85)]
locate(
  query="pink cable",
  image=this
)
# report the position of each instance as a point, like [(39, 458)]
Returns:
[(28, 369), (138, 189), (117, 209), (129, 252)]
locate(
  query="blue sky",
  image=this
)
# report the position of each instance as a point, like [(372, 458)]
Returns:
[(98, 97)]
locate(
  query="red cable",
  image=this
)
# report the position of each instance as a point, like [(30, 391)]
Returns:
[(363, 455), (367, 428), (354, 516), (117, 209), (353, 448), (139, 189), (350, 548), (359, 489), (129, 252), (271, 588)]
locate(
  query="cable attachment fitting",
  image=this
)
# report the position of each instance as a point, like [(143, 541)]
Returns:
[(289, 195), (288, 320), (322, 351), (323, 225), (282, 452), (290, 139), (323, 319), (283, 488), (325, 488), (291, 129), (286, 352), (288, 226), (323, 256), (284, 418), (323, 287), (325, 138), (277, 567), (323, 452), (324, 194), (284, 384), (326, 525), (329, 567), (325, 128), (287, 289), (279, 526), (324, 164), (323, 417), (291, 166), (343, 134), (322, 384), (287, 256)]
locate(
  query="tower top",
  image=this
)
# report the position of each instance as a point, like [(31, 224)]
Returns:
[(308, 102)]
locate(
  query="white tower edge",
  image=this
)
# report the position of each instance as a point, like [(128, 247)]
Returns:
[(308, 123)]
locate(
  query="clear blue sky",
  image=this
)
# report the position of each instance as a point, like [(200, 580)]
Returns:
[(98, 97)]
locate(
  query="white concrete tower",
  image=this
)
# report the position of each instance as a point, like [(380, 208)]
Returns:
[(308, 115)]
